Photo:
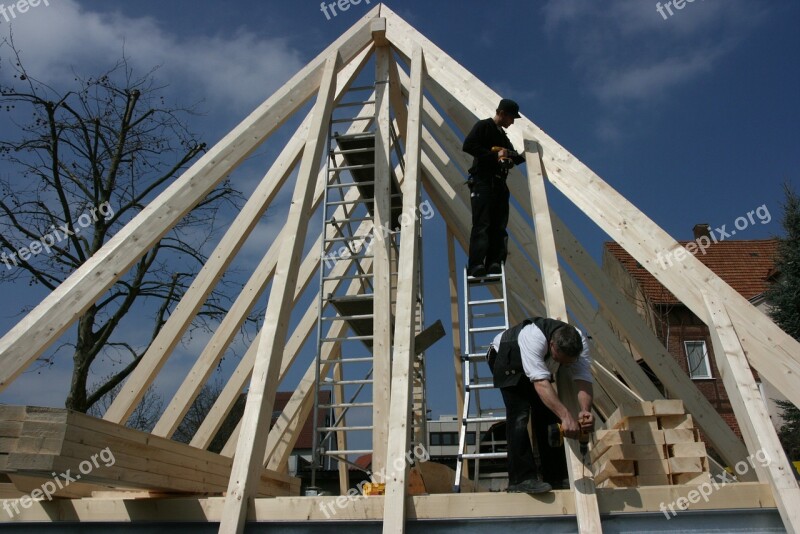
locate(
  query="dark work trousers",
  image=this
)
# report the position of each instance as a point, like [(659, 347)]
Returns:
[(520, 401), (487, 241)]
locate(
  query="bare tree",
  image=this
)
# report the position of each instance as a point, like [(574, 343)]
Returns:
[(78, 165), (144, 417), (199, 410)]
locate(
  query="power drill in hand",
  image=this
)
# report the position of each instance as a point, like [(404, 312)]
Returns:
[(555, 438), (506, 162)]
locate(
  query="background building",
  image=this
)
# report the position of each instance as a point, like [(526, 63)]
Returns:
[(747, 266)]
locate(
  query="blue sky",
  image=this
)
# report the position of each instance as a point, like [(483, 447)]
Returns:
[(694, 118)]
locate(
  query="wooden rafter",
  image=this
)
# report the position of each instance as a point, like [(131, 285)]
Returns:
[(766, 452), (399, 431), (261, 395)]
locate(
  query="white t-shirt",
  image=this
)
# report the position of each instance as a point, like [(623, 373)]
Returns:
[(533, 349)]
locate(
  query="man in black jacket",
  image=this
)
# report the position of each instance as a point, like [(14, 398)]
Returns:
[(523, 360), (489, 193)]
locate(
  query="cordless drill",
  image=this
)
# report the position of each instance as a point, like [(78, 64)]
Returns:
[(506, 162), (555, 438)]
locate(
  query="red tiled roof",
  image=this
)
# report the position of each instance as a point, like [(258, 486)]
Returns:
[(744, 265)]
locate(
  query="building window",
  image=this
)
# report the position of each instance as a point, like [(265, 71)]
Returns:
[(449, 438), (436, 439), (471, 438), (697, 356)]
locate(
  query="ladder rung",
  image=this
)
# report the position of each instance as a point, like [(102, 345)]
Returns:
[(348, 317), (341, 185), (478, 455), (354, 104), (348, 382), (351, 405), (473, 387), (351, 184), (487, 301), (343, 428), (346, 202), (349, 360), (353, 136), (488, 329), (474, 357), (352, 167), (353, 119), (346, 452), (488, 279), (488, 419), (487, 315), (361, 88), (334, 222), (346, 338), (347, 239), (347, 277)]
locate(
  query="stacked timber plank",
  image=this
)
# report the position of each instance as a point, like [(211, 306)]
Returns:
[(47, 444), (649, 444)]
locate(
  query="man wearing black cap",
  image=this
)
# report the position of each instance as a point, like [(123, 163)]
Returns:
[(489, 193)]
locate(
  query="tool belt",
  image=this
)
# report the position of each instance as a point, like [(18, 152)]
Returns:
[(470, 181)]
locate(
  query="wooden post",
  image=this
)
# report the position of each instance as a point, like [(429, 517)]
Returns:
[(382, 301), (580, 477), (395, 498), (261, 396), (766, 452)]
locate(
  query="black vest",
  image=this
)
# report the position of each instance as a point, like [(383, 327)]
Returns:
[(507, 370)]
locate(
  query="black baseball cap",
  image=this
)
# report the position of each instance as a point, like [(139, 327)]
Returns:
[(509, 106)]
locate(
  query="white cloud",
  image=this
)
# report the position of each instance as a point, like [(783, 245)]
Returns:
[(235, 72), (626, 51)]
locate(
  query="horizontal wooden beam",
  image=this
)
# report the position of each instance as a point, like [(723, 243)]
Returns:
[(466, 506)]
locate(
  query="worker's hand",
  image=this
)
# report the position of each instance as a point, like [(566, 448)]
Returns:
[(570, 427), (502, 154), (586, 421)]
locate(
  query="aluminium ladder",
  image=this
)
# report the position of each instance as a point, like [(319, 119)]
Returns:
[(346, 287), (348, 232), (486, 315)]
